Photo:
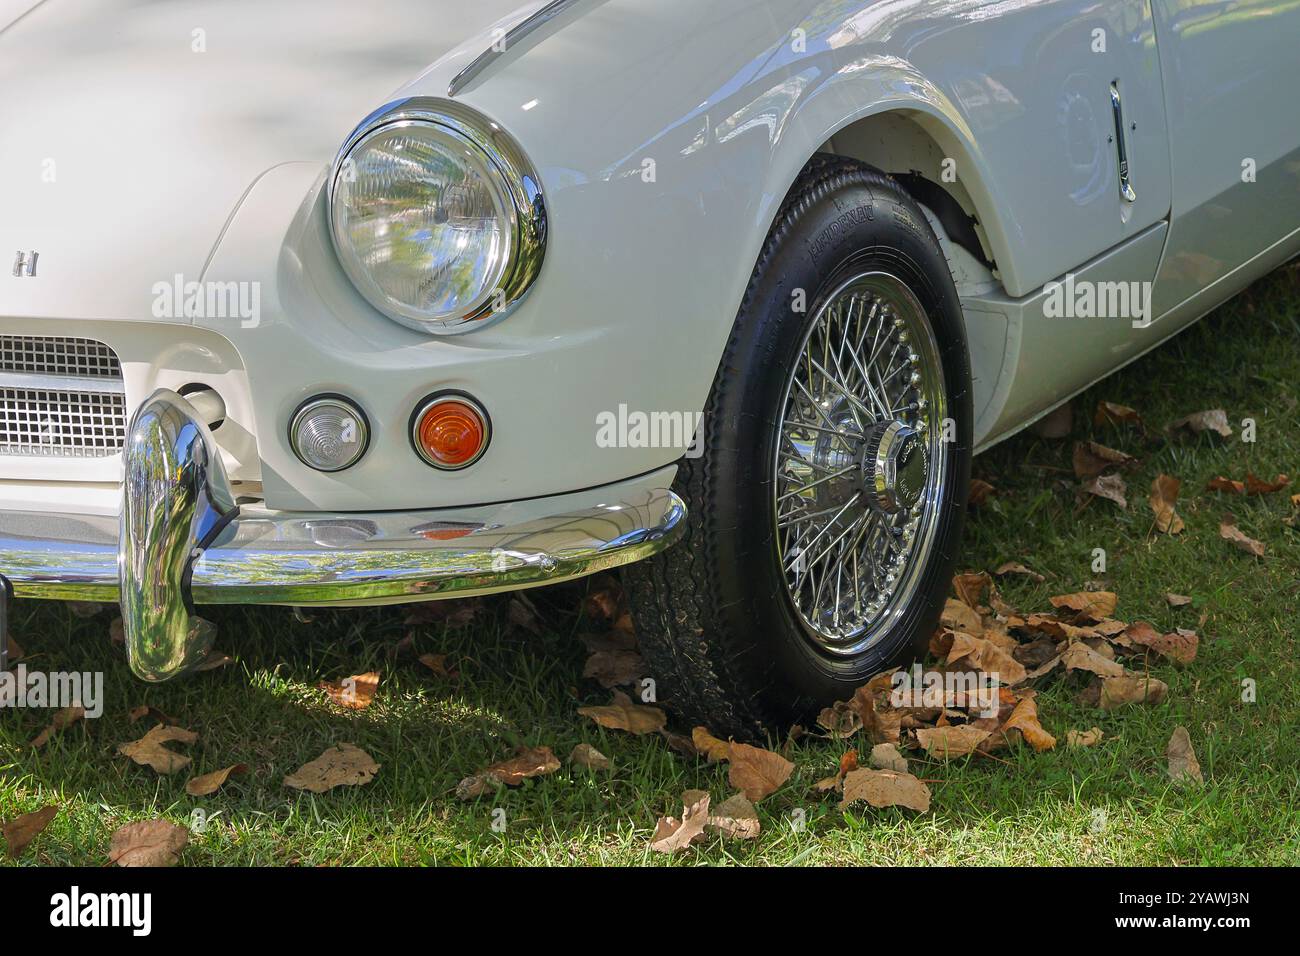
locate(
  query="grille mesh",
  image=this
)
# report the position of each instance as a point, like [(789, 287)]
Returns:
[(57, 355), (54, 422)]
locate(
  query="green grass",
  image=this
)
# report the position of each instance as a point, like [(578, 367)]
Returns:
[(518, 688)]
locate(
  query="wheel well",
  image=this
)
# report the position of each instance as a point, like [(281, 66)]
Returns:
[(897, 144)]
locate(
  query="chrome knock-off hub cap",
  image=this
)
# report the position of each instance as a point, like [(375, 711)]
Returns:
[(860, 462)]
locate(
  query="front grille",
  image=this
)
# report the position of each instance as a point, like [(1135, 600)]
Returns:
[(57, 355), (60, 397)]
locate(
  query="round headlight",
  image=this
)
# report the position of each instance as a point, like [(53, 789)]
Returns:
[(436, 217)]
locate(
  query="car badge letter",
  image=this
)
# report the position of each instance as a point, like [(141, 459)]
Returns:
[(25, 263)]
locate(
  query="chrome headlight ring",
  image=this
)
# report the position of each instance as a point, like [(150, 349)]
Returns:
[(522, 213)]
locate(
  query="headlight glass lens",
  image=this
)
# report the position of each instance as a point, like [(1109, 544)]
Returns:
[(422, 222)]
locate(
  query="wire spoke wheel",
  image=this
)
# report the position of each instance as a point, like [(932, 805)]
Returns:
[(860, 462)]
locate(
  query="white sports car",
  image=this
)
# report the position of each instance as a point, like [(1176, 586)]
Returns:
[(337, 303)]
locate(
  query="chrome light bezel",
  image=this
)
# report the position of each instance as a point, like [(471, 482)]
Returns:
[(338, 401), (527, 224)]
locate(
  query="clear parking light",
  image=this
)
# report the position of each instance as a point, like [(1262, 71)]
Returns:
[(329, 433), (436, 217), (450, 431)]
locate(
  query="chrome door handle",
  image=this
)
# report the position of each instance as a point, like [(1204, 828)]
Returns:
[(1125, 183)]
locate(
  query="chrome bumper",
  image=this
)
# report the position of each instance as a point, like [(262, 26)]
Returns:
[(182, 540)]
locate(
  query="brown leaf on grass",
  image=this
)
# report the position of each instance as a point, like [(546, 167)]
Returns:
[(1012, 567), (210, 783), (437, 665), (1131, 689), (886, 788), (1083, 738), (1215, 420), (85, 609), (951, 741), (1180, 645), (887, 757), (613, 668), (840, 720), (149, 750), (1164, 493), (710, 746), (1055, 424), (585, 755), (1295, 501), (22, 829), (148, 843), (1257, 486), (979, 492), (622, 714), (146, 710), (1080, 656), (1177, 600), (527, 762), (521, 613), (756, 772), (602, 603), (1088, 605), (212, 661), (985, 656), (672, 835), (64, 719), (961, 617), (1109, 413), (458, 612), (970, 587), (15, 652), (1110, 487), (354, 693), (735, 818), (1025, 719), (1090, 459), (1229, 531), (1183, 765), (345, 765), (1227, 485)]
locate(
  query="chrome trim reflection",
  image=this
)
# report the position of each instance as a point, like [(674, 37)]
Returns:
[(266, 557), (502, 46), (175, 499)]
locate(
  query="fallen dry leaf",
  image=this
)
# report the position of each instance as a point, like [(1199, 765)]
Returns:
[(622, 714), (210, 783), (886, 788), (672, 835), (970, 587), (1088, 605), (437, 664), (735, 818), (951, 741), (840, 720), (1055, 424), (710, 746), (1215, 420), (1177, 600), (961, 617), (585, 755), (213, 660), (1131, 689), (1257, 486), (1183, 765), (345, 765), (1164, 493), (614, 668), (756, 772), (979, 493), (355, 692), (64, 719), (1180, 645), (885, 757), (1025, 719), (1083, 738), (14, 651), (1229, 531), (149, 750), (1012, 567), (522, 614), (22, 829), (148, 843), (1090, 459), (985, 656), (1080, 656), (527, 762), (1109, 413), (1109, 487)]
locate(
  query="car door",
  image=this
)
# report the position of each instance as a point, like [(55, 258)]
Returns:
[(1231, 71)]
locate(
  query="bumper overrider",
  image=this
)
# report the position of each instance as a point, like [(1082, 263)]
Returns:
[(183, 539)]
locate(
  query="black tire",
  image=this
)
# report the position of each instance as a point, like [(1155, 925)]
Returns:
[(716, 623)]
